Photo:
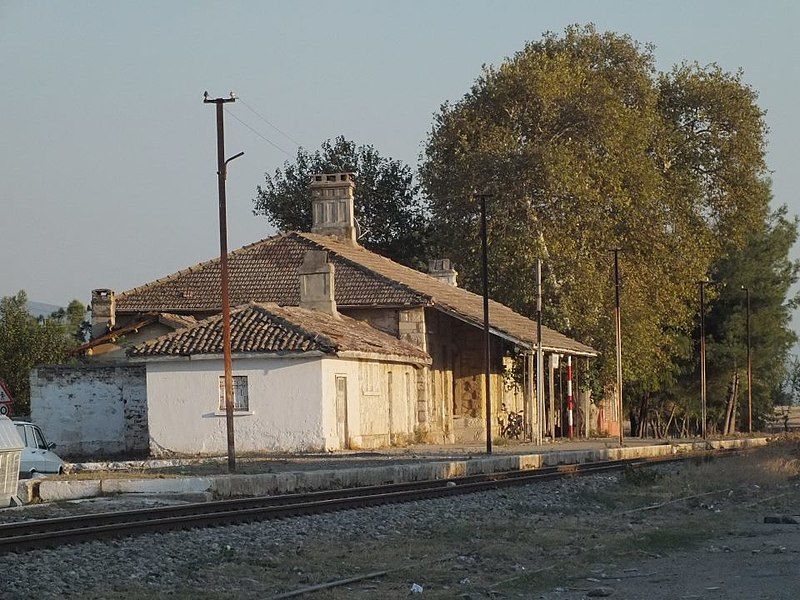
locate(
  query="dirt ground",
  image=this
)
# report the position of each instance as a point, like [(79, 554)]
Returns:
[(691, 532)]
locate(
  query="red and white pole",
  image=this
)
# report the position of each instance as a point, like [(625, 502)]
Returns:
[(570, 403)]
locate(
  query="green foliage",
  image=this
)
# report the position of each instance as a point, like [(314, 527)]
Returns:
[(764, 267), (26, 341), (587, 147), (391, 215)]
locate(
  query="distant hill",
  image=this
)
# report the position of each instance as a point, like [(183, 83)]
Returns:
[(40, 309)]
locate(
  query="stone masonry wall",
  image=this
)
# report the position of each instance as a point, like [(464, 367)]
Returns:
[(92, 410), (411, 328)]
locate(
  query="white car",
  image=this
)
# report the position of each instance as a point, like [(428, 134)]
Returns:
[(37, 455)]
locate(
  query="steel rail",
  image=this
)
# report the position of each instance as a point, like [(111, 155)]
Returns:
[(27, 535)]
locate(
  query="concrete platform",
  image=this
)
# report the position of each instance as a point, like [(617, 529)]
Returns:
[(397, 471)]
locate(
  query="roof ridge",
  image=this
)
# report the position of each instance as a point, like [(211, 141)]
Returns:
[(363, 268), (317, 339), (198, 266)]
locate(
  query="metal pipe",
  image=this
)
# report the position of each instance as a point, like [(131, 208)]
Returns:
[(570, 404)]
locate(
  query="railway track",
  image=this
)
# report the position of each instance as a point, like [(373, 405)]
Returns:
[(41, 533)]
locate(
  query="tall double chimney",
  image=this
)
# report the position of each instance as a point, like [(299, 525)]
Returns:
[(332, 205)]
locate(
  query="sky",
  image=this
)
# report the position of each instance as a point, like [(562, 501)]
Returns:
[(108, 155)]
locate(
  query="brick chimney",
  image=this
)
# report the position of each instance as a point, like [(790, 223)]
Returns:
[(104, 308), (442, 270), (316, 283), (332, 211)]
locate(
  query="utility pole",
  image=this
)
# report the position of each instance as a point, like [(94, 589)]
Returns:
[(486, 336), (702, 285), (749, 367), (539, 354), (222, 166), (618, 330)]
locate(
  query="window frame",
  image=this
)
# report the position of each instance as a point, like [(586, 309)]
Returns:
[(240, 382)]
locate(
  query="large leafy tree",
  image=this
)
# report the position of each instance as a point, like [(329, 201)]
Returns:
[(587, 147), (390, 213), (27, 341)]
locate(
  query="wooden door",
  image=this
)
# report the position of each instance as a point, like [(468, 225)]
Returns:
[(341, 411)]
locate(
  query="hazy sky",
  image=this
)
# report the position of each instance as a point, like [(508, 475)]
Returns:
[(107, 154)]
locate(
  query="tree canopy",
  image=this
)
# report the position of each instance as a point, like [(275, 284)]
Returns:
[(586, 147), (389, 211), (27, 341)]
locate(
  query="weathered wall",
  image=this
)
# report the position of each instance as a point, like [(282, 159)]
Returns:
[(91, 409), (385, 319), (381, 402), (285, 406), (469, 408), (292, 405)]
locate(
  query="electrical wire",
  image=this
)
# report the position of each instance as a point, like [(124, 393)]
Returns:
[(270, 123), (259, 134)]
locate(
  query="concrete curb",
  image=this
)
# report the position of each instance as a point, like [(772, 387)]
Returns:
[(266, 484)]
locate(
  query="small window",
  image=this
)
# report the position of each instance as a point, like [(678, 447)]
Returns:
[(22, 434), (30, 439), (240, 398), (39, 439)]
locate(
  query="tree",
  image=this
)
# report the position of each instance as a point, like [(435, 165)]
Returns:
[(391, 215), (763, 266), (26, 342), (586, 147)]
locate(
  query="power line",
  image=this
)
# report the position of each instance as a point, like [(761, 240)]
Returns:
[(259, 134), (270, 123)]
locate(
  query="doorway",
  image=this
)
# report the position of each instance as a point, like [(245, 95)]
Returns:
[(341, 411)]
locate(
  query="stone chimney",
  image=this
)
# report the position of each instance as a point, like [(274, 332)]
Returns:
[(442, 270), (104, 308), (316, 283), (332, 210)]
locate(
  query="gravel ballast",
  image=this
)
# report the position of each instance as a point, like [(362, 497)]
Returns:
[(176, 562)]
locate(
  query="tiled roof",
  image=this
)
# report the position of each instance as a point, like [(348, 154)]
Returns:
[(170, 320), (269, 328), (266, 271), (458, 301)]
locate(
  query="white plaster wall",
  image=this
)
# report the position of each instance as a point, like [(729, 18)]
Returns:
[(368, 409), (91, 410), (368, 405), (331, 368), (285, 406)]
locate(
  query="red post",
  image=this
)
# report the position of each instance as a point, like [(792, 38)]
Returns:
[(570, 402)]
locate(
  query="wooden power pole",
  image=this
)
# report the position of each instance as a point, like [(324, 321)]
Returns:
[(222, 165)]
